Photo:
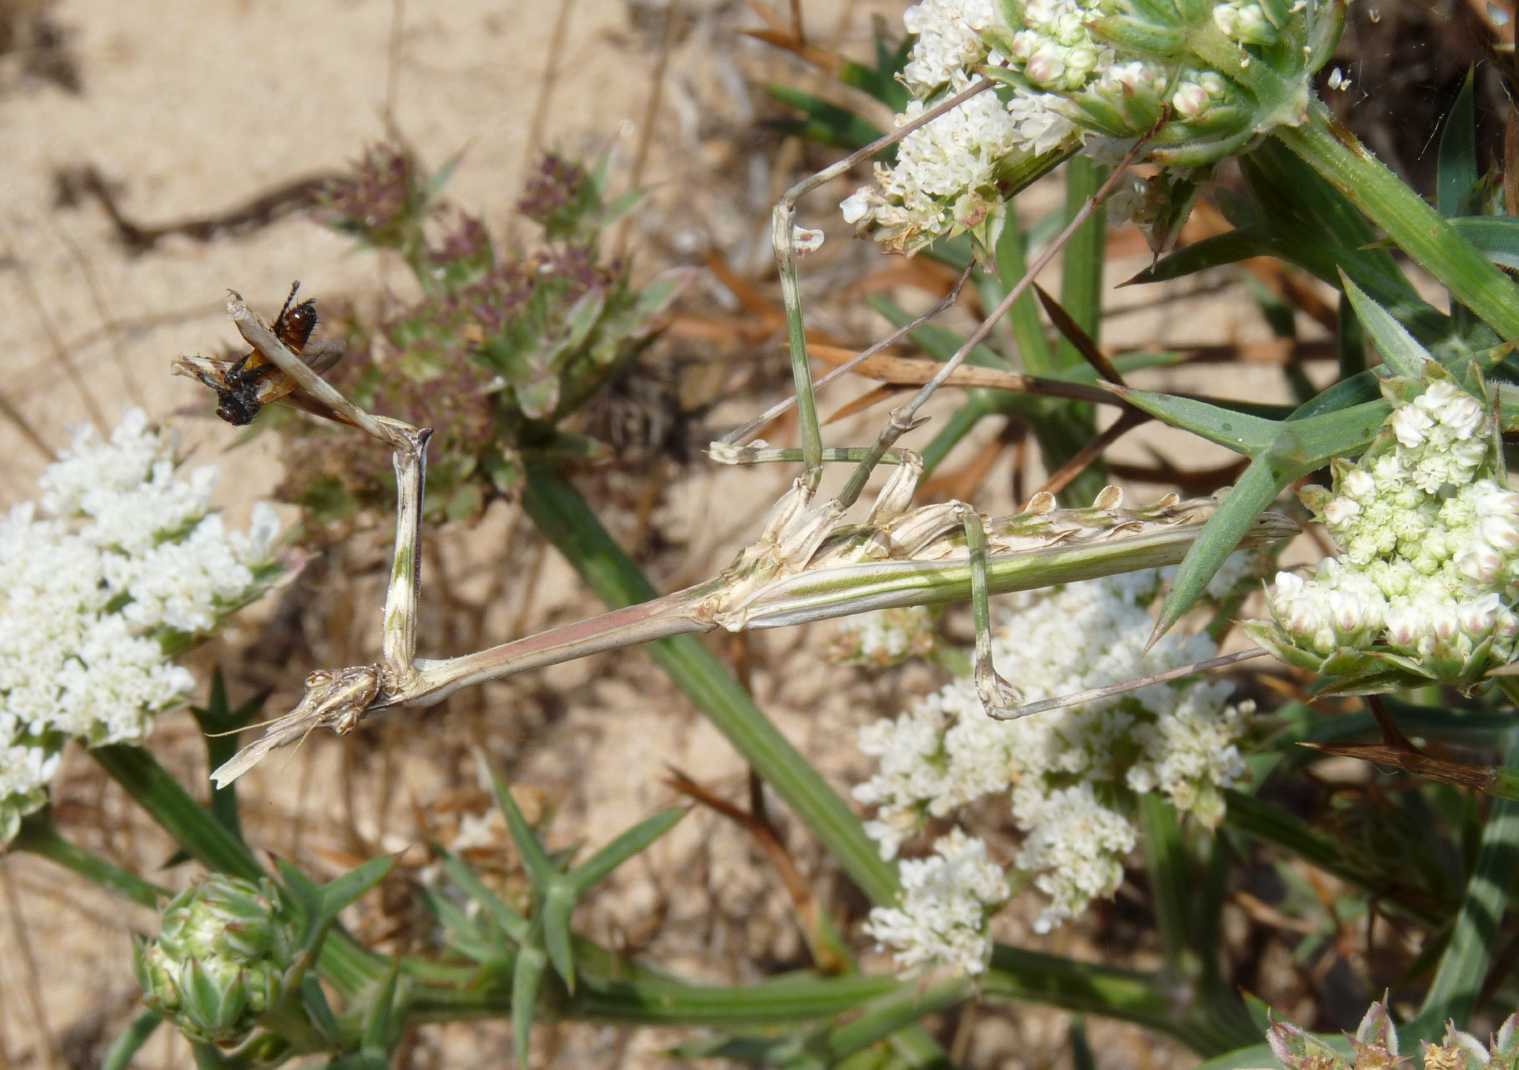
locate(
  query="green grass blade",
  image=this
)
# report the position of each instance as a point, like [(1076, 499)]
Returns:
[(540, 868), (554, 916), (1023, 318), (596, 868), (125, 1048), (1082, 260), (1257, 488), (829, 124), (1474, 940), (1407, 219), (1234, 430), (40, 836), (1271, 824), (1171, 880), (1496, 236), (1400, 351), (468, 881), (527, 978), (1212, 252), (1456, 167)]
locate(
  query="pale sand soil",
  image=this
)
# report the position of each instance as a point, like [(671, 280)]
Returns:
[(198, 106)]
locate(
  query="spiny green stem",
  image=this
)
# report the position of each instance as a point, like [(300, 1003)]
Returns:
[(1413, 225)]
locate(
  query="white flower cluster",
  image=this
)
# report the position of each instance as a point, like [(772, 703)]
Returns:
[(1114, 70), (946, 901), (1430, 553), (884, 637), (1071, 775), (948, 42), (120, 557), (945, 177)]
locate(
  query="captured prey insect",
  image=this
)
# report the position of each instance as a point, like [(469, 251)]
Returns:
[(245, 384)]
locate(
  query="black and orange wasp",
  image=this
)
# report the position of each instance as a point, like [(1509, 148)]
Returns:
[(245, 384)]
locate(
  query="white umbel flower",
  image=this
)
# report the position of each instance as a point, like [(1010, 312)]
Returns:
[(1111, 71), (948, 41), (1425, 581), (120, 557), (1071, 776), (941, 917)]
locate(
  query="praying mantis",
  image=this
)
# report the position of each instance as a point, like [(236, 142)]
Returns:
[(808, 562)]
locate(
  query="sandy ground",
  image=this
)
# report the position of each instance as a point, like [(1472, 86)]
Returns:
[(194, 106)]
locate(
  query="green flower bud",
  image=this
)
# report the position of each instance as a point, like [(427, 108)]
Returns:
[(221, 960)]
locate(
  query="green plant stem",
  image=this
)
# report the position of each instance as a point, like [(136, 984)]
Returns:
[(902, 1008), (1168, 867), (126, 1047), (1412, 224), (568, 522), (194, 829), (1076, 986), (39, 836)]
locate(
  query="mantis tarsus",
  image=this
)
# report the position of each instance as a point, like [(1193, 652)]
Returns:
[(807, 564)]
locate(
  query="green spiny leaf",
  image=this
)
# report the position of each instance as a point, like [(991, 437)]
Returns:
[(1402, 353), (596, 868), (1256, 490), (554, 917), (1456, 174), (540, 869), (1227, 427), (527, 978)]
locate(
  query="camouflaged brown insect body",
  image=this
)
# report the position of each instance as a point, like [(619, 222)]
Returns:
[(253, 381)]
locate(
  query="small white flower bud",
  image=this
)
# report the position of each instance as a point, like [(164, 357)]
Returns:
[(1253, 26), (1341, 511), (1478, 617), (1481, 565), (1190, 100), (857, 205), (1462, 415), (1410, 424), (1404, 626), (1500, 532), (1359, 485), (1346, 611), (1046, 65), (1445, 623)]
